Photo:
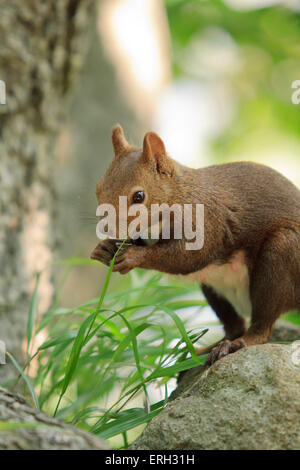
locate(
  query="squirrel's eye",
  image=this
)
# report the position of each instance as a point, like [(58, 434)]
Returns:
[(138, 197)]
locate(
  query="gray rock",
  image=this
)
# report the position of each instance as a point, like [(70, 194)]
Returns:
[(26, 428), (284, 331), (247, 400)]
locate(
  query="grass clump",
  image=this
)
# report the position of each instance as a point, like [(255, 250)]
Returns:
[(97, 361)]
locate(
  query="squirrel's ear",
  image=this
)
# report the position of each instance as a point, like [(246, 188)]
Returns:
[(119, 141), (154, 153)]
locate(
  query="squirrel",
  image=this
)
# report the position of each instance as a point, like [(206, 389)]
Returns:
[(250, 260)]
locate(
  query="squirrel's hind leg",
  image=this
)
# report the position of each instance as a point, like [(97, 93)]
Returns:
[(272, 284), (234, 325), (272, 292)]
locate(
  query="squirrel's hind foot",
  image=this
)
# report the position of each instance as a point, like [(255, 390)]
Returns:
[(224, 348)]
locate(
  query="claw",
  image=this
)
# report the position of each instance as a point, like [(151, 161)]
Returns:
[(104, 251), (224, 348)]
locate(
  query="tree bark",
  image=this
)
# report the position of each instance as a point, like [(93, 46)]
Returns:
[(25, 428), (41, 49)]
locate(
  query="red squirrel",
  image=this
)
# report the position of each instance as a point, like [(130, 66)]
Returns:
[(250, 261)]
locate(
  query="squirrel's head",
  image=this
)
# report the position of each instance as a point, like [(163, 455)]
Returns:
[(145, 176)]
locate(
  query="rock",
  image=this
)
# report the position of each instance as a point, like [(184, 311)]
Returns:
[(26, 428), (247, 400), (284, 331)]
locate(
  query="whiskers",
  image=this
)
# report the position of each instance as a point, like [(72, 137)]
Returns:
[(88, 219)]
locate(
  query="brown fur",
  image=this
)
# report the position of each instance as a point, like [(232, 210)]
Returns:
[(248, 207)]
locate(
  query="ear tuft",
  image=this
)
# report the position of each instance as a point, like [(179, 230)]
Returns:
[(154, 154), (119, 141)]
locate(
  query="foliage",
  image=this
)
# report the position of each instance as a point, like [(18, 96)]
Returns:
[(111, 346), (265, 45)]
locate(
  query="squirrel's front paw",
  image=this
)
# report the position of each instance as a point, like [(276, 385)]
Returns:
[(128, 259), (104, 251)]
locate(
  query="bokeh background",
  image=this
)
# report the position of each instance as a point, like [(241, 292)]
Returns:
[(213, 78)]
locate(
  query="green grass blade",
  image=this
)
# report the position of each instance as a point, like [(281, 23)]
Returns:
[(74, 356), (83, 336), (171, 371), (67, 337), (26, 379), (179, 304), (181, 329), (31, 316), (125, 423), (12, 425)]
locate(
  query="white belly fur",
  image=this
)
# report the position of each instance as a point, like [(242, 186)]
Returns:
[(230, 280)]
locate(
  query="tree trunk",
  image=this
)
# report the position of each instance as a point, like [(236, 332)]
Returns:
[(41, 47), (25, 428)]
